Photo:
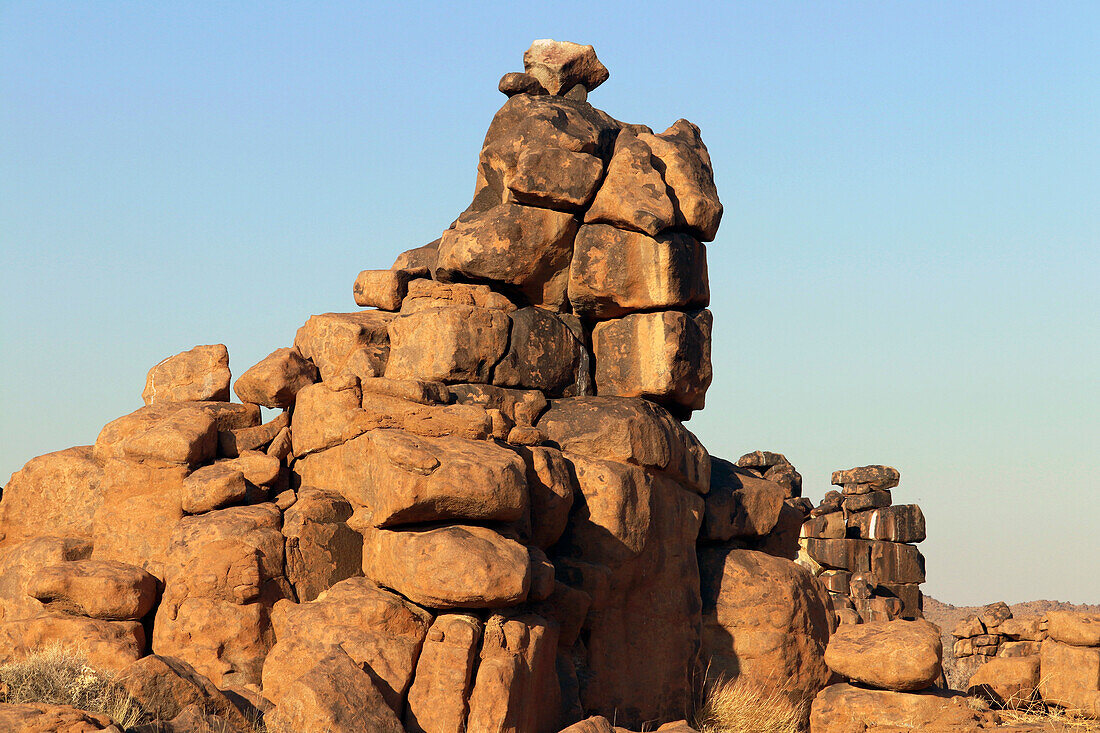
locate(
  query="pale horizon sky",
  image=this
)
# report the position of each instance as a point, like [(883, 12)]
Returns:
[(906, 273)]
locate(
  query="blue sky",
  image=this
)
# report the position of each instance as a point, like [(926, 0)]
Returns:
[(906, 273)]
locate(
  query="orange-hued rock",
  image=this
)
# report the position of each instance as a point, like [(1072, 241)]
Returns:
[(843, 707), (96, 588), (382, 289), (223, 572), (231, 443), (330, 339), (555, 178), (417, 261), (561, 65), (892, 655), (1023, 628), (516, 687), (1073, 627), (142, 502), (107, 645), (633, 194), (1006, 681), (59, 490), (455, 566), (413, 390), (765, 620), (863, 479), (551, 486), (521, 406), (613, 524), (21, 562), (212, 487), (643, 641), (321, 550), (628, 430), (276, 379), (439, 696), (43, 718), (258, 468), (616, 272), (740, 504), (894, 562), (169, 432), (686, 167), (166, 686), (428, 294), (543, 353), (775, 468), (199, 375), (1070, 676), (324, 417), (522, 247), (335, 696), (430, 421), (663, 356), (400, 478), (458, 343), (381, 631)]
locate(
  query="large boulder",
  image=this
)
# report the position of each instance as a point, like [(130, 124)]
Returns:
[(686, 167), (60, 490), (616, 272), (393, 478), (321, 549), (891, 655), (335, 696), (662, 356), (95, 588), (633, 195), (380, 631), (276, 379), (458, 343), (197, 375), (43, 718), (454, 566), (1006, 681), (765, 621), (22, 562), (1076, 628), (844, 707), (330, 340), (543, 353), (740, 504), (1070, 676), (561, 65), (440, 692)]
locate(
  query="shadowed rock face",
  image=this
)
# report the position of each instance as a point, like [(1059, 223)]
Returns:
[(477, 509)]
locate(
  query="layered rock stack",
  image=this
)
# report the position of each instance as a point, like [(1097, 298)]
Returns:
[(995, 633), (863, 547), (477, 507)]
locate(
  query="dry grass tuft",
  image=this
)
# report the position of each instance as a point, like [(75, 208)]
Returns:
[(57, 675), (1028, 710), (741, 706)]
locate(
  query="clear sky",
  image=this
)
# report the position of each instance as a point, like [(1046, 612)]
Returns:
[(907, 272)]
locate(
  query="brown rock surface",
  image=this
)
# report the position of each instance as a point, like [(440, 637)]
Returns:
[(169, 432), (739, 503), (439, 696), (455, 566), (521, 247), (59, 490), (335, 696), (428, 294), (1070, 676), (379, 630), (616, 272), (663, 356), (41, 718), (689, 175), (382, 289), (276, 379), (516, 82), (633, 195), (871, 478), (166, 686), (765, 619), (843, 707), (212, 487), (543, 353), (892, 655), (399, 478), (21, 562), (1006, 682), (106, 645), (1075, 628), (231, 443), (560, 65), (321, 550), (330, 339), (99, 589), (458, 343), (199, 375)]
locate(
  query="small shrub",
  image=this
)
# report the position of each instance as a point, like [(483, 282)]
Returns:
[(56, 675), (741, 706)]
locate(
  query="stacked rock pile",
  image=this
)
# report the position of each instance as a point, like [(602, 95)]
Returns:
[(993, 632), (863, 547), (477, 507)]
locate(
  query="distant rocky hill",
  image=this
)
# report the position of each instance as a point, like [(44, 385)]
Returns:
[(947, 616)]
